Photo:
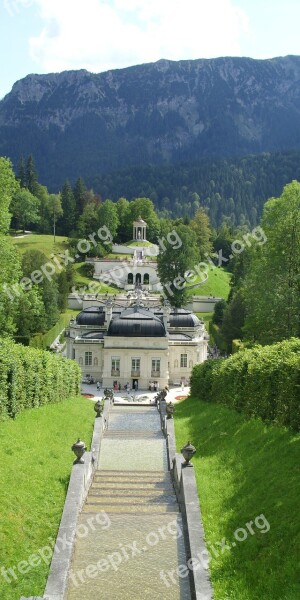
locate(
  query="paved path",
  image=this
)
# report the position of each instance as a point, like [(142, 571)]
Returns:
[(130, 532), (172, 393)]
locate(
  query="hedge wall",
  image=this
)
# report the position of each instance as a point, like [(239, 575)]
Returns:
[(30, 377), (216, 336), (263, 382), (44, 340)]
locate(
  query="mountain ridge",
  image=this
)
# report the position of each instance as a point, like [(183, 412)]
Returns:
[(76, 122)]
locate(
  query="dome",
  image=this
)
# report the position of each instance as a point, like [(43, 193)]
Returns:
[(139, 221), (180, 317), (93, 315), (93, 335), (136, 322)]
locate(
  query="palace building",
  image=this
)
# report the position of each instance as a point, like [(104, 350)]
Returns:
[(136, 341)]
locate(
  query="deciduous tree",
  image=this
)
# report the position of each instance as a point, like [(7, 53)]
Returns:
[(174, 261)]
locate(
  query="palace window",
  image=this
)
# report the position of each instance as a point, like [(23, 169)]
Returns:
[(88, 358), (183, 361), (135, 364), (115, 365), (155, 367)]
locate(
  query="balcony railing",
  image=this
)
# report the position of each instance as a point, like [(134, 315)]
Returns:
[(135, 373), (115, 372), (155, 373)]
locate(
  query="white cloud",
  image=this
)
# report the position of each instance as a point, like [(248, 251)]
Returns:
[(104, 34)]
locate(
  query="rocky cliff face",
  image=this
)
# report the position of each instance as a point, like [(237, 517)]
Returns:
[(77, 122)]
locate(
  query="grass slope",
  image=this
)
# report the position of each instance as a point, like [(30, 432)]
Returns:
[(82, 283), (141, 243), (206, 317), (217, 284), (245, 469), (36, 461), (43, 243)]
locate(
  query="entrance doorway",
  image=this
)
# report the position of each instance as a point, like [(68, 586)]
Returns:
[(135, 384)]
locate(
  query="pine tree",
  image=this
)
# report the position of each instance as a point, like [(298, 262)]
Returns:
[(79, 195), (68, 221), (21, 177), (31, 175)]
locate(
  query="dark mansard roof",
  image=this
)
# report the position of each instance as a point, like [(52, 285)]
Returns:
[(93, 315), (180, 317), (136, 322)]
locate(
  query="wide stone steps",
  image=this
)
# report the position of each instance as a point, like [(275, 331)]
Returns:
[(127, 559), (111, 507), (131, 492), (131, 516)]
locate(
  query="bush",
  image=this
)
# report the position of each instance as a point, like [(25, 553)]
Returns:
[(216, 336), (263, 382), (30, 378)]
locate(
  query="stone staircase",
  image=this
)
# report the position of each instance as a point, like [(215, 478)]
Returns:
[(130, 532)]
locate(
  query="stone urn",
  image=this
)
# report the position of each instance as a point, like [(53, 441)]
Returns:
[(98, 408), (79, 449), (188, 452), (170, 410)]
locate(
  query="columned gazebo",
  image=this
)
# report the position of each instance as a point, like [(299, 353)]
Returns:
[(139, 230)]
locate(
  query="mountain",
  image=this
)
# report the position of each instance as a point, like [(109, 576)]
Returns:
[(78, 123)]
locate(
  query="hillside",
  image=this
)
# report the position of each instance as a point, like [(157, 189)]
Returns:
[(245, 471), (166, 112)]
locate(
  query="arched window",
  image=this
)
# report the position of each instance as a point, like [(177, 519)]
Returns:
[(138, 278), (130, 278), (146, 279), (95, 362)]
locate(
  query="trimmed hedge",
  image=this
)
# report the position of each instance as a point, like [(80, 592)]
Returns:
[(44, 340), (216, 336), (263, 382), (30, 378)]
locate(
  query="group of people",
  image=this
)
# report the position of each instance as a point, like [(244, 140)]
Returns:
[(127, 386), (154, 386)]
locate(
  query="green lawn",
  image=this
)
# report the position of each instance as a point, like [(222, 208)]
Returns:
[(43, 243), (142, 243), (36, 461), (116, 255), (217, 284), (81, 280), (245, 469)]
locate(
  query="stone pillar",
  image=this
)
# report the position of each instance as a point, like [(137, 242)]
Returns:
[(108, 312), (166, 316)]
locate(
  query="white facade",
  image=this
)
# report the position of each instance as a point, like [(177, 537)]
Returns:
[(135, 344), (137, 265)]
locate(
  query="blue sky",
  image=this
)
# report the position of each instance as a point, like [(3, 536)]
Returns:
[(42, 36)]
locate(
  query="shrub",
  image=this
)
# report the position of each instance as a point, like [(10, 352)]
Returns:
[(31, 378), (263, 382)]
